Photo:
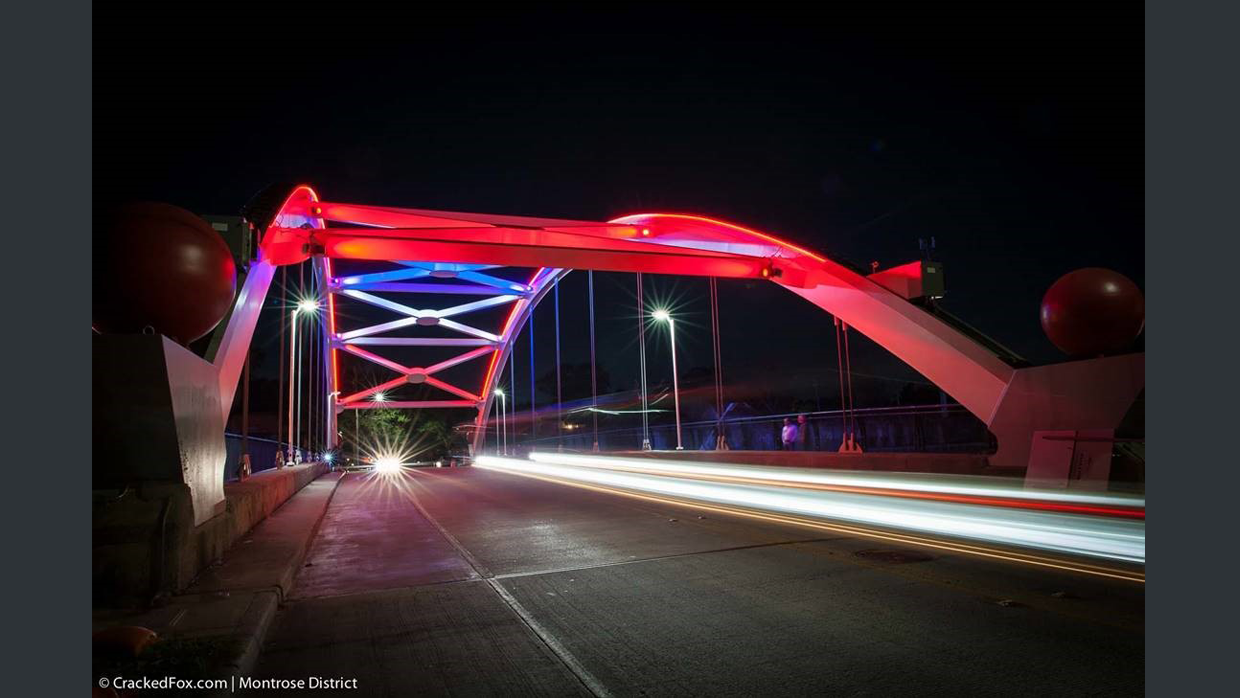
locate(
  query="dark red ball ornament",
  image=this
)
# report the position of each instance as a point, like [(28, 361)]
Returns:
[(1093, 312), (161, 267)]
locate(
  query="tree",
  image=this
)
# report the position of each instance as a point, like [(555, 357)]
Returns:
[(371, 432), (435, 438)]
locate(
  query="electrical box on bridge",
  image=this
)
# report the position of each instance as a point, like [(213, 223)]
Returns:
[(915, 280), (236, 232)]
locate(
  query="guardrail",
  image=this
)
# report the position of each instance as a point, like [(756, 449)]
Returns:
[(920, 429), (262, 455)]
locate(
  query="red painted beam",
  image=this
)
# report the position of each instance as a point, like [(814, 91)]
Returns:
[(519, 247)]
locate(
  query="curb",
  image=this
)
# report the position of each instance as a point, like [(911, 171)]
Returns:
[(273, 597)]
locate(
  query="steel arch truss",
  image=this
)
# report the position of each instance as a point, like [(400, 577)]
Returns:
[(471, 280), (479, 286)]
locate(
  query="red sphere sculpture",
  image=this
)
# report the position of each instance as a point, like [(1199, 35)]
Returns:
[(161, 267), (1093, 312)]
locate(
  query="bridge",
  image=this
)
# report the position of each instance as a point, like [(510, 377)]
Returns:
[(554, 572), (457, 249)]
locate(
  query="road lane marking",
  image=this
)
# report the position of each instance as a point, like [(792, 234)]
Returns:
[(588, 680)]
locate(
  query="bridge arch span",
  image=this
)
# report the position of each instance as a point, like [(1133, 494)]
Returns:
[(1013, 402)]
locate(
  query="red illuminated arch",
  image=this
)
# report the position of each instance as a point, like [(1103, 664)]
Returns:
[(1012, 402)]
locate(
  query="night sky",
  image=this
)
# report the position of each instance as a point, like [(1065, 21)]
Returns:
[(1011, 133)]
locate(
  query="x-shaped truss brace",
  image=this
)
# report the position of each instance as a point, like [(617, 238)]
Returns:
[(360, 287)]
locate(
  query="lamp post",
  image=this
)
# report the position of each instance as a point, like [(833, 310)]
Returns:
[(292, 381), (304, 307), (664, 316), (333, 443), (503, 419), (379, 397)]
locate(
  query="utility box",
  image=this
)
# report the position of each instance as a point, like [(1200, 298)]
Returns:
[(922, 279), (240, 238)]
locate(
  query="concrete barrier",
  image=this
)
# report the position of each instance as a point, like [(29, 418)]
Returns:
[(146, 545)]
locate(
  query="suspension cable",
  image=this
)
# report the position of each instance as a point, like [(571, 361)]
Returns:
[(721, 442), (312, 402), (839, 360), (641, 344), (533, 417), (852, 412), (301, 268), (512, 389), (282, 300), (559, 392), (593, 372)]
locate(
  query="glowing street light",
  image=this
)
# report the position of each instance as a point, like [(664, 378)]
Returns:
[(663, 316), (381, 396), (387, 465), (503, 420), (307, 305)]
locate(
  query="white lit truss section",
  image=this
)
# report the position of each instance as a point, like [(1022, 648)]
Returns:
[(418, 299), (419, 285)]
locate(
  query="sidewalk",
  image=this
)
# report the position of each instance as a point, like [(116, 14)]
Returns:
[(220, 621)]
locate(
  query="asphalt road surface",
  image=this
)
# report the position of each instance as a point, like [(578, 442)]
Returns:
[(471, 582)]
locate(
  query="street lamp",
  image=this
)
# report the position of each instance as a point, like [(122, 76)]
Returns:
[(663, 316), (331, 421), (503, 421), (304, 306)]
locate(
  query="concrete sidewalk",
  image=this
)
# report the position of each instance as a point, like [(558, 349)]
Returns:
[(231, 604)]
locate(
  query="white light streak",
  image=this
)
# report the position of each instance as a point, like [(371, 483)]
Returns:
[(1117, 539)]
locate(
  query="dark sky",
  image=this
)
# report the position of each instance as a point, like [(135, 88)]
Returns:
[(1012, 133)]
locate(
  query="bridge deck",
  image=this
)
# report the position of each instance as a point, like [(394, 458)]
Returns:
[(476, 582)]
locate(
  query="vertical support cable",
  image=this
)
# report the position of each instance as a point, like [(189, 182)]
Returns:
[(313, 388), (593, 373), (559, 392), (641, 344), (512, 392), (301, 361), (852, 413), (327, 405), (839, 359), (721, 441), (292, 379), (297, 361), (282, 307), (317, 403), (533, 415), (316, 394)]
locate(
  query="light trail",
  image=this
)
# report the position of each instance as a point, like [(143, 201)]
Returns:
[(963, 489), (1120, 540)]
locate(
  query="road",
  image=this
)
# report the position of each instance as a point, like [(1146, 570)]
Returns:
[(465, 581)]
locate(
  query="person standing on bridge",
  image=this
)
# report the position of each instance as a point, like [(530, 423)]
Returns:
[(789, 434), (802, 433)]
